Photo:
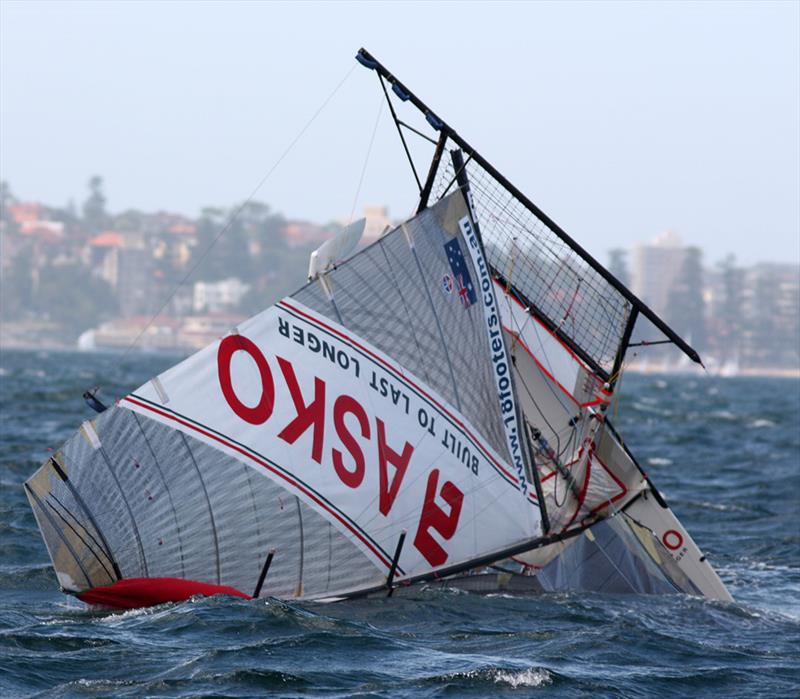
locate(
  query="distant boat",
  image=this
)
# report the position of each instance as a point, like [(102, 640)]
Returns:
[(432, 409), (86, 341), (731, 367)]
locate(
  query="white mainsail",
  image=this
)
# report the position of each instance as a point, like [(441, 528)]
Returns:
[(373, 404)]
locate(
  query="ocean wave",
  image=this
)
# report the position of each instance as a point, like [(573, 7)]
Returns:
[(21, 577), (722, 507), (489, 676), (730, 485), (532, 677), (721, 415), (757, 424)]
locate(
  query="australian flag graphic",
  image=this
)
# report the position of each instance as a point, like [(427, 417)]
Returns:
[(466, 290)]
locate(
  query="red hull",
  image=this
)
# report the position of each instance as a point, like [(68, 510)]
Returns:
[(132, 593)]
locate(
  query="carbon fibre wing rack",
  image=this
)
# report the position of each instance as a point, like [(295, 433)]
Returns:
[(608, 369)]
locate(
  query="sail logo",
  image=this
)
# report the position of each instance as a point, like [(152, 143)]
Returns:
[(500, 363), (336, 422), (447, 284), (466, 289), (364, 440)]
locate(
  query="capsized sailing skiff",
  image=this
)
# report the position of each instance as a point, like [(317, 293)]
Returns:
[(433, 407)]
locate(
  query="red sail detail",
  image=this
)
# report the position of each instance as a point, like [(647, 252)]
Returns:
[(434, 517), (308, 414)]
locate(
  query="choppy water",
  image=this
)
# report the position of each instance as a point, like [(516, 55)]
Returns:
[(726, 452)]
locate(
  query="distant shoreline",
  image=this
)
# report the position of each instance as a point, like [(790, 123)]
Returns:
[(56, 347), (761, 372)]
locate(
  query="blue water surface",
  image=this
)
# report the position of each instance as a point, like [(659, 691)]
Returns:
[(725, 451)]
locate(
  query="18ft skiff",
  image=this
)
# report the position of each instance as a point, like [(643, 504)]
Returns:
[(433, 405)]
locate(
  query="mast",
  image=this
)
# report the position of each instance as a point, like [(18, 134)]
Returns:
[(637, 306)]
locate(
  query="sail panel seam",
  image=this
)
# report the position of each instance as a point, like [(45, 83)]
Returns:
[(270, 465)]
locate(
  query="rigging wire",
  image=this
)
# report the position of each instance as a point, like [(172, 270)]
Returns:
[(570, 443), (366, 159), (237, 211), (554, 431), (400, 131)]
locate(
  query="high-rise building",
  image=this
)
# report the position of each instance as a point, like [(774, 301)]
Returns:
[(770, 308), (656, 268)]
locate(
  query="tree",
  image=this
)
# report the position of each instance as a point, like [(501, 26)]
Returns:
[(242, 242), (6, 199), (72, 298), (131, 220), (16, 285), (94, 208)]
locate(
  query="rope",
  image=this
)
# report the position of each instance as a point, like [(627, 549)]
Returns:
[(236, 213), (509, 284), (366, 159), (400, 132)]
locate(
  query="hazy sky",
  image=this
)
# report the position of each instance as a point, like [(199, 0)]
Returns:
[(619, 120)]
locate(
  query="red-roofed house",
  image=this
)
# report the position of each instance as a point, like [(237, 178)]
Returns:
[(25, 211), (298, 233), (104, 255), (182, 228), (45, 231), (107, 239)]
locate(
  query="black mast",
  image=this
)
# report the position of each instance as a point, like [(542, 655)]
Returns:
[(639, 307)]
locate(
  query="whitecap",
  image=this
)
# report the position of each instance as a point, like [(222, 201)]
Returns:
[(117, 617), (756, 424), (721, 507), (723, 415), (532, 677), (659, 461), (102, 683)]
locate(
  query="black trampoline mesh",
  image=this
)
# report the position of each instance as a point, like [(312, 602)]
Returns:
[(528, 254)]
